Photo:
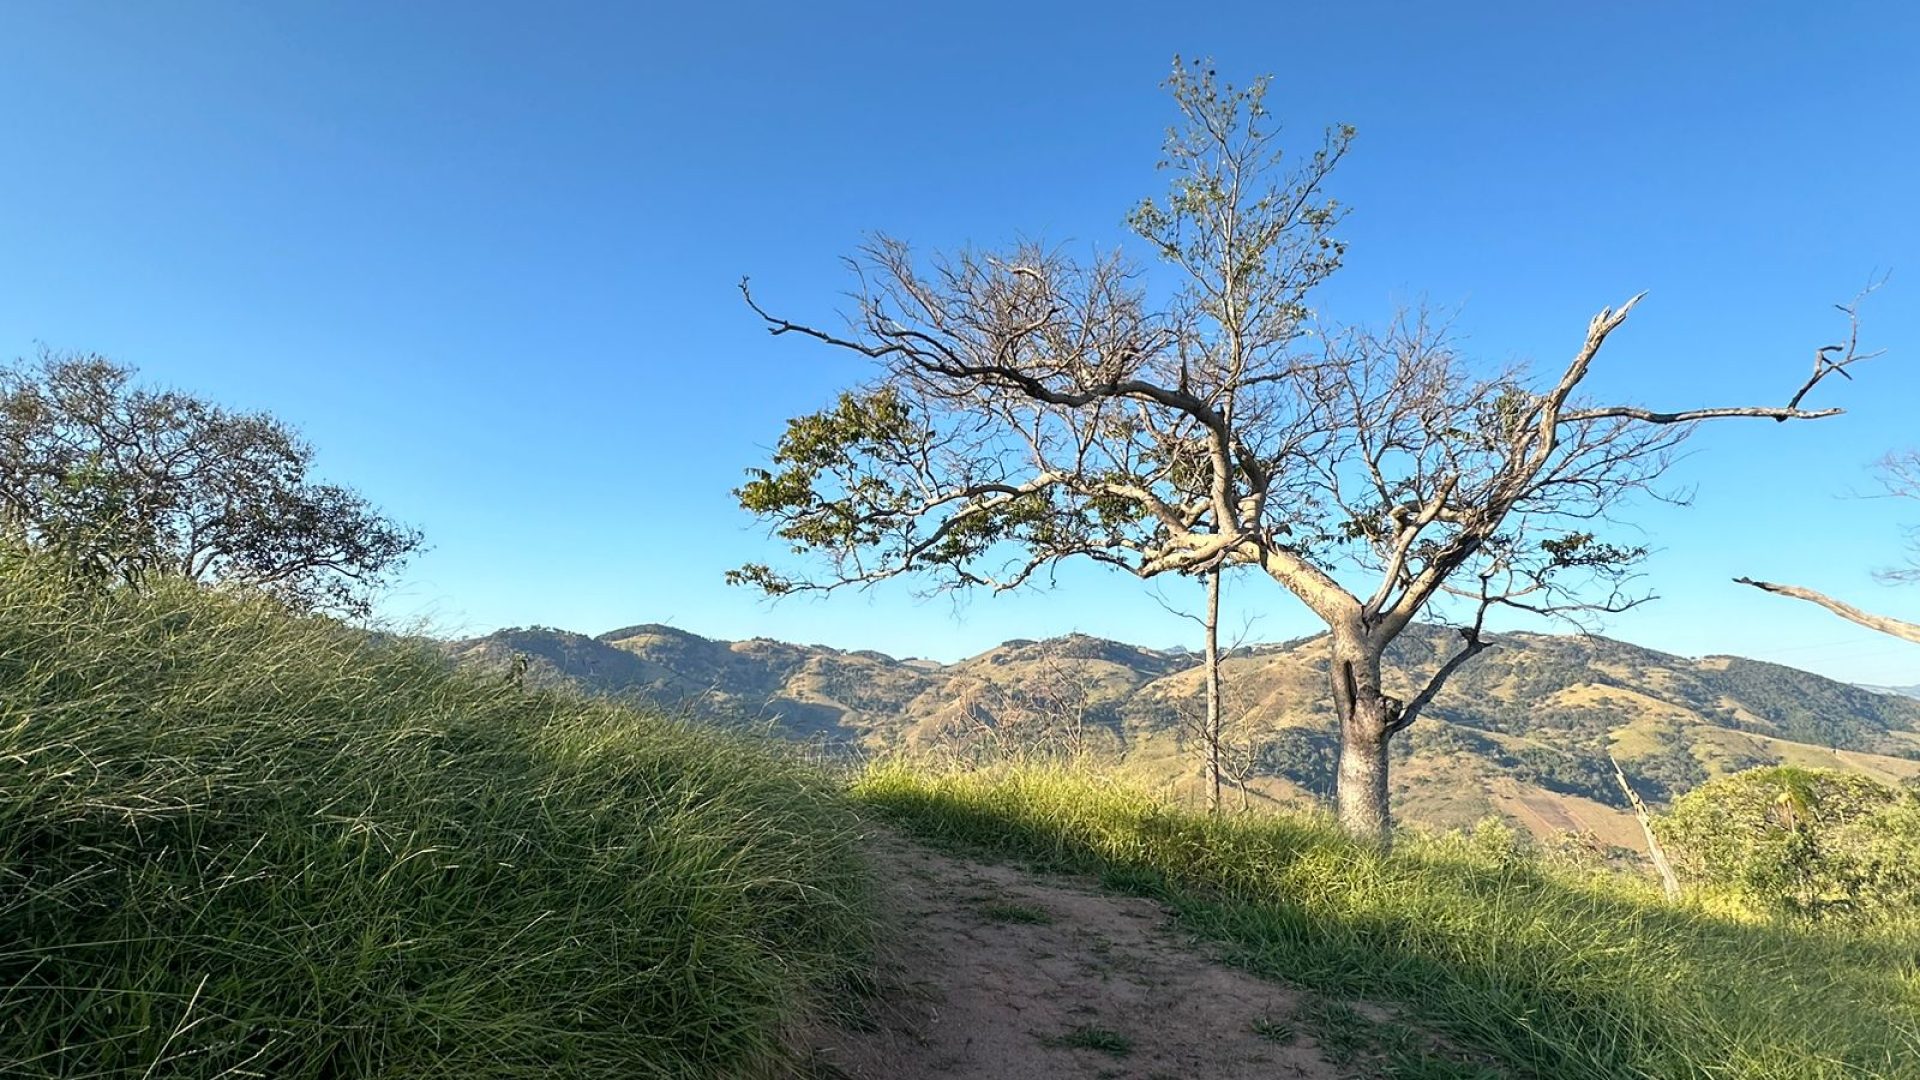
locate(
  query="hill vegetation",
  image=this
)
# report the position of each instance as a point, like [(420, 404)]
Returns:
[(240, 842), (243, 838), (1523, 732), (1548, 971), (1808, 842)]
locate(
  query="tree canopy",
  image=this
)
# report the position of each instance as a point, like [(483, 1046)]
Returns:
[(1806, 840), (126, 482)]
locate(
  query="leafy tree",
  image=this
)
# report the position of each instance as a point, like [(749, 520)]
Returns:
[(1802, 840), (124, 483), (1031, 408)]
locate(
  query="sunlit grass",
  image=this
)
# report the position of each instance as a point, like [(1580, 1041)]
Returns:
[(238, 843), (1553, 974)]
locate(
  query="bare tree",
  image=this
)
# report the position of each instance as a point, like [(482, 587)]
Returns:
[(1240, 760), (1206, 727), (1031, 408), (1906, 631), (1669, 885), (1045, 713)]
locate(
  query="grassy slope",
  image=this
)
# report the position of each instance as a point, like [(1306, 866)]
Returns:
[(234, 843), (1553, 975), (238, 843)]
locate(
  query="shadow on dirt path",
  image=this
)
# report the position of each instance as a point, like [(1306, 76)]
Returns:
[(996, 973)]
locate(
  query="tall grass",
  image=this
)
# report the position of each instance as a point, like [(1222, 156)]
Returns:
[(1554, 975), (239, 843)]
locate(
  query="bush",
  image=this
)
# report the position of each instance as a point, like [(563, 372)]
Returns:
[(235, 842), (1805, 840)]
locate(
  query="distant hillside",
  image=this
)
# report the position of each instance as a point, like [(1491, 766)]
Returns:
[(1523, 732), (1897, 691)]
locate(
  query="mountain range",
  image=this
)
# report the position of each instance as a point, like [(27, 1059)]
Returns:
[(1523, 732)]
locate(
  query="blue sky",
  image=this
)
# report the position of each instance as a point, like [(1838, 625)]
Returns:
[(484, 256)]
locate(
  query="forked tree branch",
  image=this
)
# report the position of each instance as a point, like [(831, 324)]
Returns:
[(1473, 644), (1849, 350)]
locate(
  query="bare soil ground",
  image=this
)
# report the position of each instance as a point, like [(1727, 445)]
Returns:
[(995, 973)]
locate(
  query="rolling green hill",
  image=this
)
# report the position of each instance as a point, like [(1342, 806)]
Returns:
[(1523, 732), (242, 842)]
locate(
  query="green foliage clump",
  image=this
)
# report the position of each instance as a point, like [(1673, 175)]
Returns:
[(1577, 977), (1811, 841), (235, 842), (1579, 771), (120, 482), (1094, 1037)]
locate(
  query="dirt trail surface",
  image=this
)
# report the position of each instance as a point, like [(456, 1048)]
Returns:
[(993, 972)]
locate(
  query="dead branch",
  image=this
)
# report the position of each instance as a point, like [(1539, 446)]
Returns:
[(1669, 884), (1905, 631)]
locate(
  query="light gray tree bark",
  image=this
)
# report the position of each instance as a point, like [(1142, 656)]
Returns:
[(1905, 631), (1213, 720)]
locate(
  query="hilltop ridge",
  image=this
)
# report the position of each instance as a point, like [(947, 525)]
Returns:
[(1523, 732)]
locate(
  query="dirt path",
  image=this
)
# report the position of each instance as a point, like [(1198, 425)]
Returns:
[(996, 973)]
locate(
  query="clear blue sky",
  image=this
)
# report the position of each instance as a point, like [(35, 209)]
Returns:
[(485, 255)]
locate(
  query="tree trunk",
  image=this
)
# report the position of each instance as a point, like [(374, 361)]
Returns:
[(1213, 691), (1365, 715)]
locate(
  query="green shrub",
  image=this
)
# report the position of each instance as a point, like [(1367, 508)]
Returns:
[(1805, 840), (235, 842)]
